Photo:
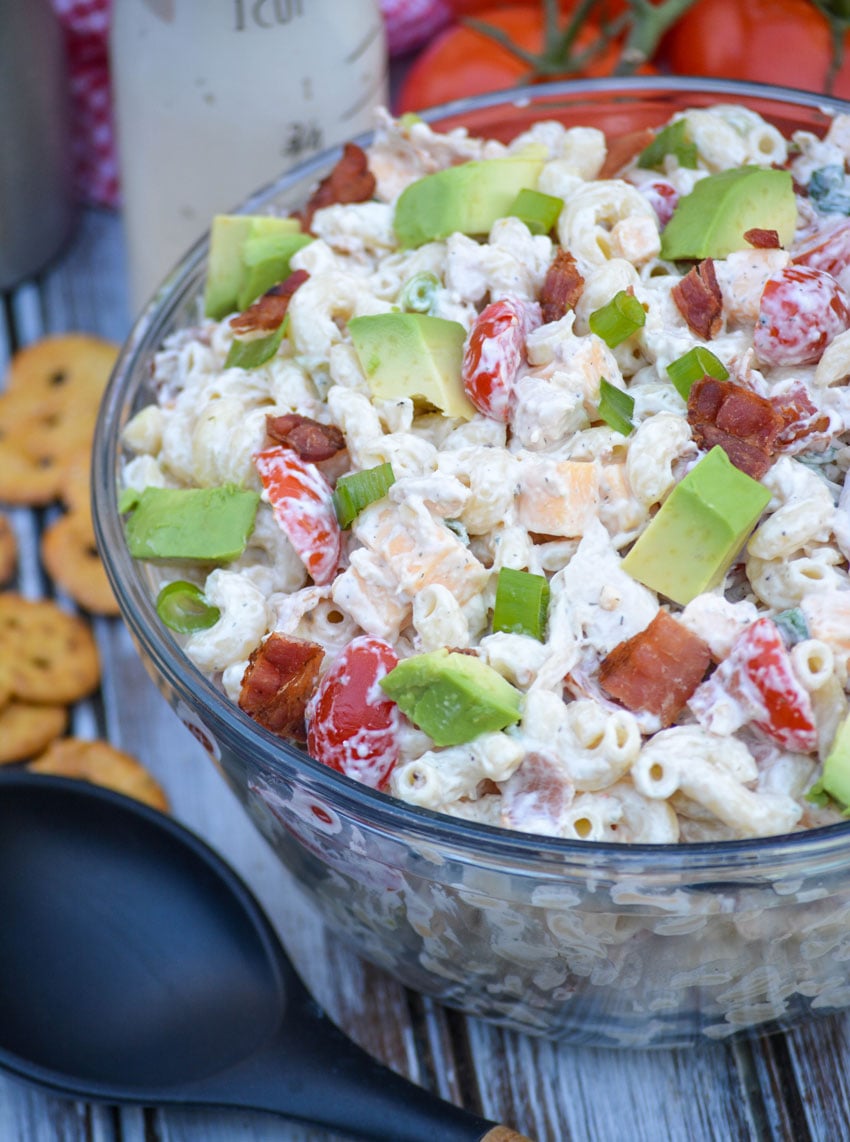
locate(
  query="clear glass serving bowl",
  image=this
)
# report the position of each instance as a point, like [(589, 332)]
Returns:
[(609, 945)]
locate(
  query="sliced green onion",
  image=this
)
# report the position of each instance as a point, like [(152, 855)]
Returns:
[(183, 607), (616, 407), (355, 492), (817, 795), (128, 500), (417, 296), (792, 625), (537, 210), (249, 354), (522, 603), (692, 366), (675, 139), (409, 119), (619, 319), (829, 191)]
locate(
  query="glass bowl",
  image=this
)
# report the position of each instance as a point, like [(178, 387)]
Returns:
[(582, 942)]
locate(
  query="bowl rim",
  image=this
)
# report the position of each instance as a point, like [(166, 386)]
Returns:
[(224, 718)]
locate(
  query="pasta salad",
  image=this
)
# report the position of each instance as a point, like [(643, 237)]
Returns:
[(540, 492)]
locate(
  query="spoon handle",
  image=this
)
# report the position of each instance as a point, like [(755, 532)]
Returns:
[(323, 1077)]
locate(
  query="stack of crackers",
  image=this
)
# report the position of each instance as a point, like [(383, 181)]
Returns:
[(48, 657)]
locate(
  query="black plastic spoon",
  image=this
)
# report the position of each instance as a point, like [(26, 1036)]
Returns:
[(135, 966)]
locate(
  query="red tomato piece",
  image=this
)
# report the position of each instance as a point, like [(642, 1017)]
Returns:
[(352, 726), (494, 353), (662, 196), (302, 500), (800, 312), (759, 676), (827, 249)]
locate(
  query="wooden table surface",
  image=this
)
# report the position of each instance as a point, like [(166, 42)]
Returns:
[(794, 1086)]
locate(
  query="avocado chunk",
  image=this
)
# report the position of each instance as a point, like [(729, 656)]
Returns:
[(266, 262), (453, 697), (711, 221), (465, 199), (690, 544), (227, 270), (211, 524), (413, 355), (835, 779)]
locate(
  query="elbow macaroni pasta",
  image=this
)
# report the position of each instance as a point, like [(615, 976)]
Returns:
[(554, 487)]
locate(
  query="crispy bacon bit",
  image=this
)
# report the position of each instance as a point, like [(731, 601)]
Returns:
[(278, 682), (745, 425), (562, 287), (621, 149), (536, 795), (763, 239), (657, 669), (267, 312), (349, 181), (310, 439), (803, 426), (699, 300)]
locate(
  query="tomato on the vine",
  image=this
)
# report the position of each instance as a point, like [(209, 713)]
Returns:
[(463, 61), (767, 41)]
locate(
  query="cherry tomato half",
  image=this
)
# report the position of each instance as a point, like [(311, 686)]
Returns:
[(800, 312), (352, 726)]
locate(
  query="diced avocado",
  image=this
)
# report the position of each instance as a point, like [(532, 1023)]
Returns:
[(689, 545), (465, 199), (835, 779), (711, 221), (266, 262), (211, 524), (413, 355), (226, 267), (453, 697)]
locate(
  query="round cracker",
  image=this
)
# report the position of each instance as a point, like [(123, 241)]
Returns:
[(38, 438), (76, 482), (69, 554), (71, 366), (8, 549), (51, 656), (27, 729), (48, 413), (102, 764)]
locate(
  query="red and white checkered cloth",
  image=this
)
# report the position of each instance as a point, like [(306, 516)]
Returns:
[(86, 27), (410, 23)]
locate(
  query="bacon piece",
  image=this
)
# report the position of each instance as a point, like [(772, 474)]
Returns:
[(349, 181), (657, 669), (763, 239), (537, 794), (745, 425), (621, 149), (562, 287), (278, 682), (699, 300), (267, 312), (310, 439), (802, 426)]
